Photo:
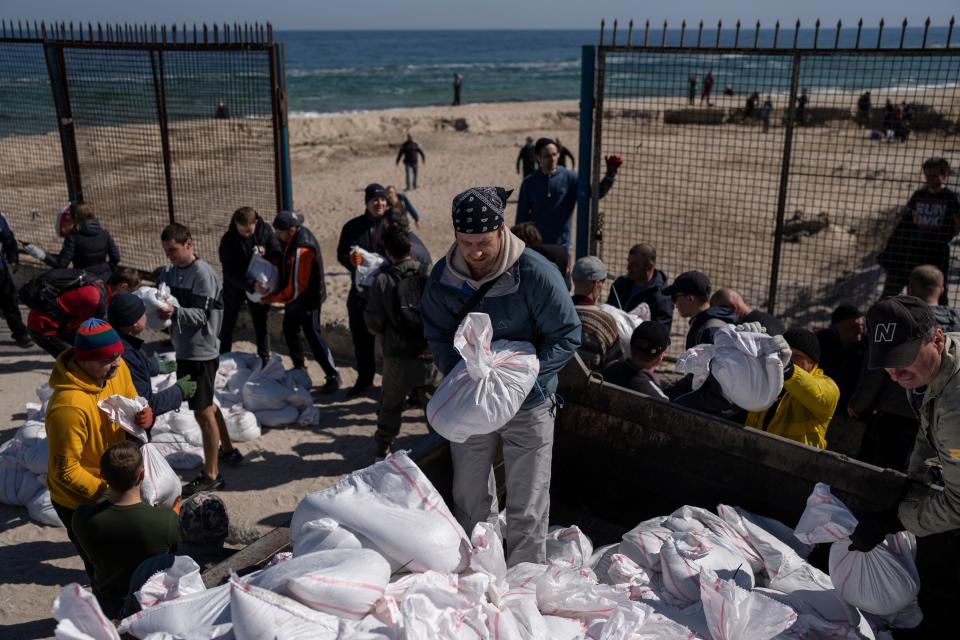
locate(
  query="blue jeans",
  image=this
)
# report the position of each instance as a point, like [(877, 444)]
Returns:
[(411, 169)]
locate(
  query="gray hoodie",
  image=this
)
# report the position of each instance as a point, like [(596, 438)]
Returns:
[(196, 323)]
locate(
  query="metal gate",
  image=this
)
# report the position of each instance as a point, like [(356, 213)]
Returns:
[(148, 125), (758, 157)]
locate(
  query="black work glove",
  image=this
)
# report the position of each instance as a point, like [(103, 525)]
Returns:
[(872, 529)]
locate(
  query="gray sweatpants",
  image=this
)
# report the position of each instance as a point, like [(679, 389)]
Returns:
[(527, 454)]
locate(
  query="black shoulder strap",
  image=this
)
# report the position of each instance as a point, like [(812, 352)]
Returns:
[(475, 299)]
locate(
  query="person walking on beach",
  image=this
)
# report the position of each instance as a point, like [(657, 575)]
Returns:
[(707, 89), (85, 243), (401, 208), (863, 109), (248, 235), (564, 154), (751, 105), (802, 107), (691, 88), (457, 86), (9, 261), (548, 197), (488, 269), (527, 158), (765, 112), (408, 152), (302, 291), (194, 332)]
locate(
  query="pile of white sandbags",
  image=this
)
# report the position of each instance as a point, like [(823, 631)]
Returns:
[(276, 397), (23, 473)]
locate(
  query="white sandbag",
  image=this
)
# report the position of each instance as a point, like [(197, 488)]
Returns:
[(573, 592), (881, 581), (569, 544), (242, 425), (560, 628), (259, 614), (599, 560), (228, 399), (349, 584), (733, 613), (638, 620), (288, 414), (424, 620), (79, 616), (123, 412), (182, 422), (264, 389), (182, 615), (262, 272), (643, 584), (40, 509), (486, 554), (163, 381), (309, 417), (298, 378), (366, 273), (33, 446), (181, 579), (386, 498), (485, 389), (734, 539), (643, 543), (156, 299), (321, 535), (747, 366), (161, 486), (300, 398), (739, 518), (18, 485), (684, 555), (626, 323), (502, 624), (825, 518), (44, 392)]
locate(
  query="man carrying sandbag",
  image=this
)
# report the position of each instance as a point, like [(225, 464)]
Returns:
[(906, 341), (489, 270), (248, 235)]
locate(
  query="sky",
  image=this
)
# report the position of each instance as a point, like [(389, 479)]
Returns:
[(475, 14)]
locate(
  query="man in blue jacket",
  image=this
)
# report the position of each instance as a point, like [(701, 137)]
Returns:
[(548, 196), (489, 270), (9, 261), (128, 315)]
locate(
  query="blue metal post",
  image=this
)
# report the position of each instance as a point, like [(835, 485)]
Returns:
[(284, 134), (587, 84)]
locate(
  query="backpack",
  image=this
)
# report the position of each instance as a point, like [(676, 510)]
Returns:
[(410, 284), (42, 292)]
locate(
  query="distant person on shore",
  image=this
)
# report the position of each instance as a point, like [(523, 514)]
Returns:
[(889, 116), (555, 253), (691, 88), (548, 197), (927, 225), (86, 245), (302, 291), (802, 102), (527, 158), (643, 282), (707, 89), (648, 344), (728, 90), (765, 112), (926, 282), (222, 113), (564, 154), (600, 339), (9, 261), (863, 110), (247, 235), (409, 152), (401, 208), (194, 332), (457, 87), (730, 298), (751, 106)]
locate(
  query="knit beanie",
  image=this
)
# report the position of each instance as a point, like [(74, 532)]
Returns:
[(805, 341), (374, 190), (96, 340), (125, 309), (845, 312)]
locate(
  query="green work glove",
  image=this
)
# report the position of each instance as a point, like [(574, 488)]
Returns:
[(166, 366), (187, 387)]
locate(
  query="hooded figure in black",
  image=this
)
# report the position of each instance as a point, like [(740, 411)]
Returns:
[(85, 244)]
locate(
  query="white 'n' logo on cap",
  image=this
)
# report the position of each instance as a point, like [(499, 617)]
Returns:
[(884, 332)]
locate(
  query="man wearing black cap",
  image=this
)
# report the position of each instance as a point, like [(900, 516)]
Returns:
[(489, 270), (366, 232), (809, 397), (648, 344), (690, 293), (906, 341), (302, 292), (548, 196), (128, 315)]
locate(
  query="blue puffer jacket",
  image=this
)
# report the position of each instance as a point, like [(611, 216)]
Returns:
[(529, 302), (142, 367)]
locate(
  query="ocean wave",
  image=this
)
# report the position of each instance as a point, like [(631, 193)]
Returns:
[(414, 68)]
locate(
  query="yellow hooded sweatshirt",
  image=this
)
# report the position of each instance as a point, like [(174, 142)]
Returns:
[(804, 410), (78, 432)]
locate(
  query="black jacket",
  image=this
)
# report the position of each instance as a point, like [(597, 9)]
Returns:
[(661, 306), (236, 251), (771, 323), (316, 292), (527, 158), (142, 367), (89, 248), (706, 323), (383, 307), (841, 362), (409, 151)]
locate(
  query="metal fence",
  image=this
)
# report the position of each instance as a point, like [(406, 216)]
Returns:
[(758, 157), (148, 125)]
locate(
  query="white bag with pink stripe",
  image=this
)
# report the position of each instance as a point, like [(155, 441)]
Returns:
[(485, 390), (349, 584)]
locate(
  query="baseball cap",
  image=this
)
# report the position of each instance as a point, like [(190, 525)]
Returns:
[(287, 220), (896, 328), (651, 338), (589, 268), (694, 283), (203, 519)]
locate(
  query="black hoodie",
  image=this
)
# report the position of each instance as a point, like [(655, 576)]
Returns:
[(623, 296), (89, 248), (236, 251)]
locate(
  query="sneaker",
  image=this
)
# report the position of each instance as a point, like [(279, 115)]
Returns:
[(383, 450), (359, 390), (233, 458), (202, 483), (23, 341), (331, 385)]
